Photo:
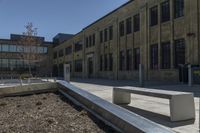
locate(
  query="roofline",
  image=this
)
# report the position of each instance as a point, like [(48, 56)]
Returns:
[(128, 2), (108, 14)]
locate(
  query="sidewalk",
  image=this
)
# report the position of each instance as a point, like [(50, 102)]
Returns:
[(155, 109)]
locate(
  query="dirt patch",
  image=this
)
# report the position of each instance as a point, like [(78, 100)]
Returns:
[(46, 113)]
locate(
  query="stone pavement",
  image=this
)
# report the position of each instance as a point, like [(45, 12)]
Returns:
[(155, 109)]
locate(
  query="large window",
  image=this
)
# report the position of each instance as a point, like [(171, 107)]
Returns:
[(128, 25), (12, 64), (20, 64), (90, 41), (5, 48), (55, 55), (87, 42), (101, 36), (4, 63), (93, 39), (154, 56), (105, 62), (122, 61), (45, 50), (20, 48), (165, 11), (165, 55), (105, 35), (129, 60), (136, 22), (110, 32), (121, 28), (78, 66), (101, 63), (154, 16), (60, 54), (179, 52), (78, 46), (136, 58), (40, 50), (13, 48), (110, 62), (68, 50), (178, 8)]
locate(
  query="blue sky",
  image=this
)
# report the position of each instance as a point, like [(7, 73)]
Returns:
[(52, 16)]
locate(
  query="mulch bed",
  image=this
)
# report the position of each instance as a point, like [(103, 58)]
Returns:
[(45, 113)]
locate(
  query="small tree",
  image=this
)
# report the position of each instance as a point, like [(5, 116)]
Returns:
[(29, 46)]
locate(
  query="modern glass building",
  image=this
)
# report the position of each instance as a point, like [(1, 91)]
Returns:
[(13, 64)]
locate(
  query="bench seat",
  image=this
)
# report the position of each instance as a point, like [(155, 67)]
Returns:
[(181, 103)]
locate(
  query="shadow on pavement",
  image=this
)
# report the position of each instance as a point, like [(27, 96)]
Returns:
[(158, 118)]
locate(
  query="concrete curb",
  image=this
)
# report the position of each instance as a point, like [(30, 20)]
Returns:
[(28, 89), (119, 117)]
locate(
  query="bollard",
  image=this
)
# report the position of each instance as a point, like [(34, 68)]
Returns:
[(141, 74)]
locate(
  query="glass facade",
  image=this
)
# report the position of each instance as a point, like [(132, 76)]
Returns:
[(19, 48), (14, 64)]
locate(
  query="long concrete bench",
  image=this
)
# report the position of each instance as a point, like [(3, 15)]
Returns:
[(124, 120), (182, 105)]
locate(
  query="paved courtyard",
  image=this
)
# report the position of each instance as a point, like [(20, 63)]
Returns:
[(155, 109)]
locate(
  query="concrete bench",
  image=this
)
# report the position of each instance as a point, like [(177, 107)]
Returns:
[(182, 105), (117, 117)]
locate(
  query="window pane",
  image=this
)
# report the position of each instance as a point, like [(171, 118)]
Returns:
[(122, 61), (165, 11), (110, 32), (68, 50), (40, 50), (101, 63), (4, 63), (105, 63), (154, 16), (136, 58), (78, 66), (55, 55), (90, 41), (129, 60), (110, 62), (179, 52), (87, 42), (101, 36), (93, 39), (105, 35), (154, 56), (20, 48), (78, 46), (165, 55), (178, 8), (60, 54), (128, 26), (136, 22), (13, 64), (13, 48), (121, 28), (5, 48)]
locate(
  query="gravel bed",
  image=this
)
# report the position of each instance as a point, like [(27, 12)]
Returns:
[(46, 113)]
